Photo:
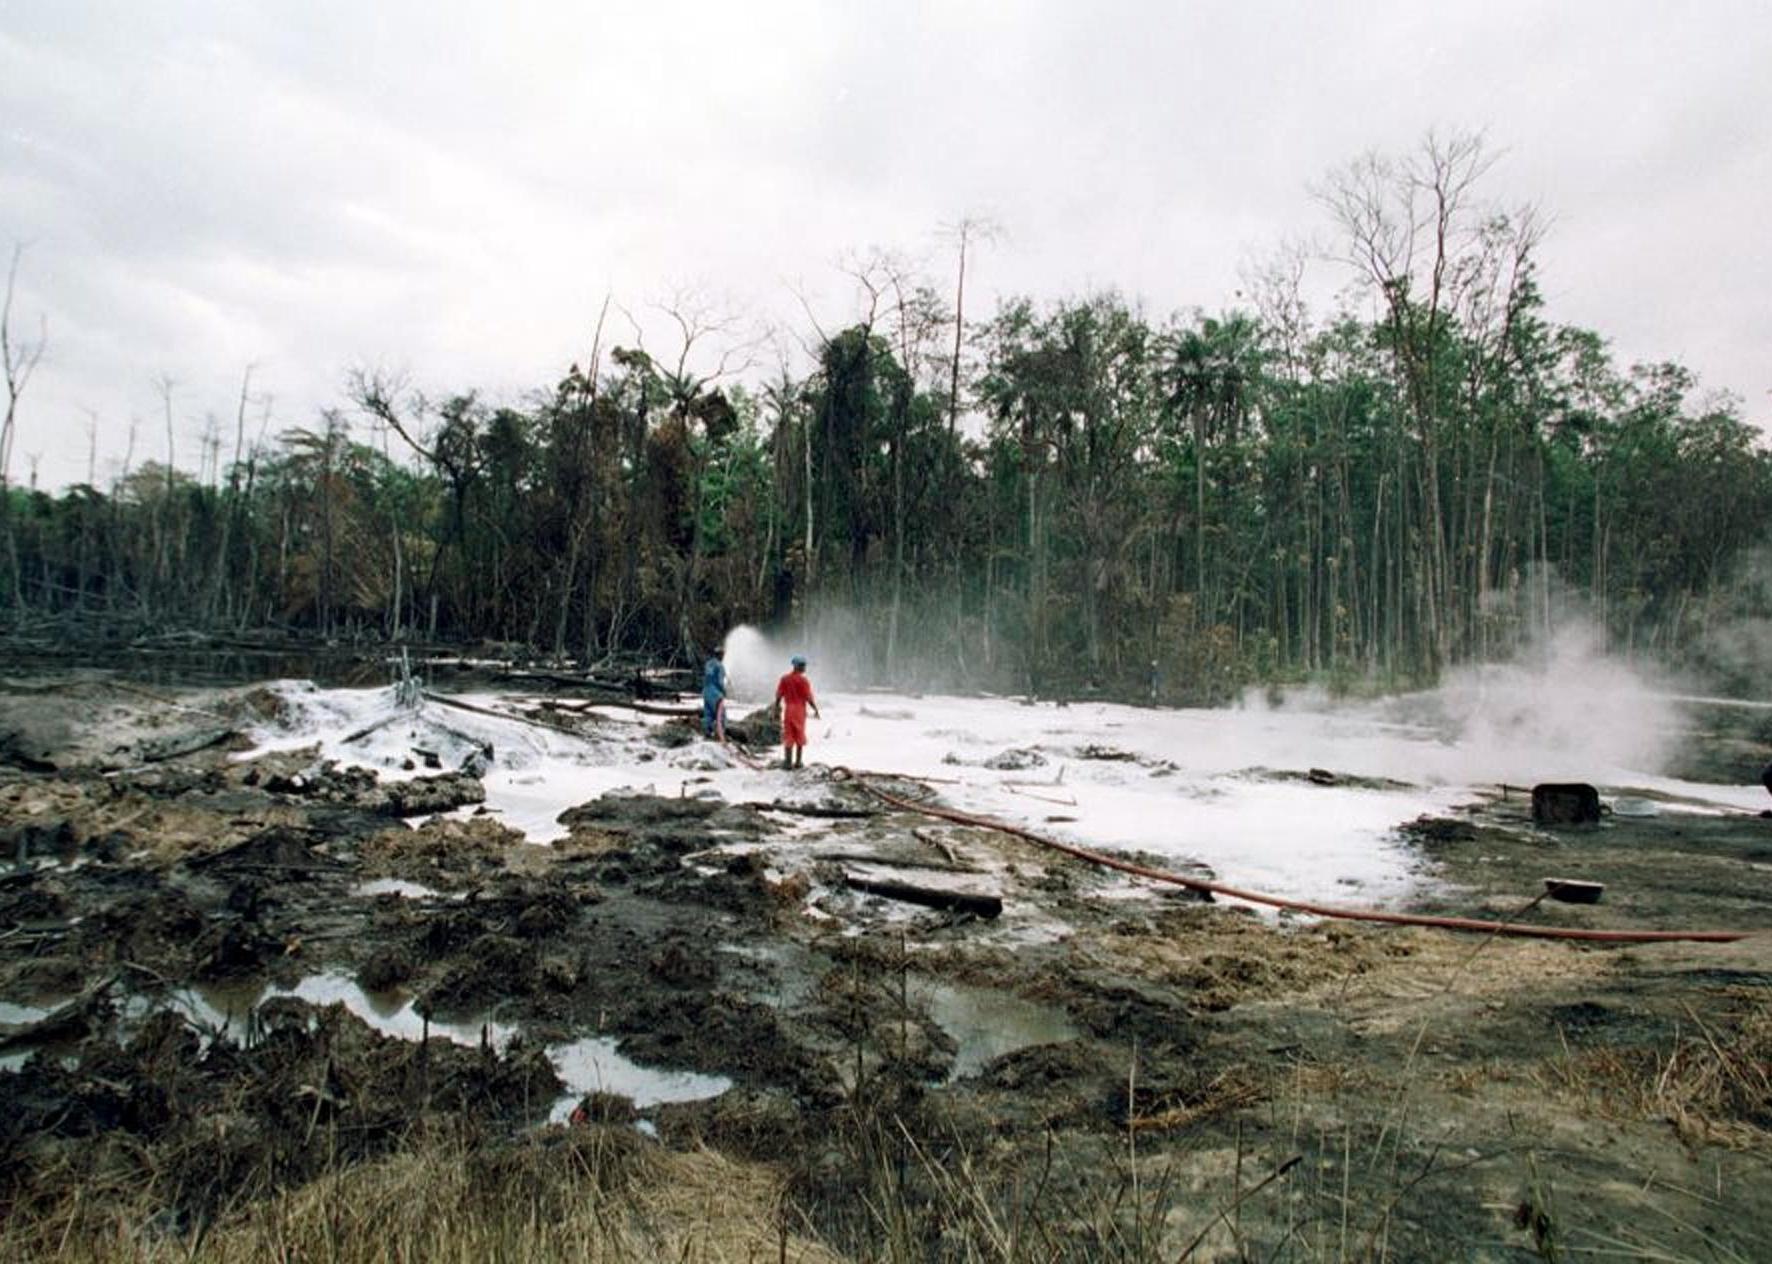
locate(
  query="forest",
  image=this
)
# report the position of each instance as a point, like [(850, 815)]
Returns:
[(1061, 492)]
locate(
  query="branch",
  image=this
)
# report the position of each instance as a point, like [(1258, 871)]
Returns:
[(20, 364), (374, 394)]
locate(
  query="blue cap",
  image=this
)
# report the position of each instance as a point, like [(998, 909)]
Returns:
[(798, 660)]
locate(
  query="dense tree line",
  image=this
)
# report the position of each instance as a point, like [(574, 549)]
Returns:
[(1066, 491)]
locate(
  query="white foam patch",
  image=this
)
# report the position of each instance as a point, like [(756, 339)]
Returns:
[(1193, 789)]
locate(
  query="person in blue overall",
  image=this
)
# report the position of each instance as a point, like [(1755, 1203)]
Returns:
[(713, 696)]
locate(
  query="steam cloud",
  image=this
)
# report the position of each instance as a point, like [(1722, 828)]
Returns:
[(1560, 708)]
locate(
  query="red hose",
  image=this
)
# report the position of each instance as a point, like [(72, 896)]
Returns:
[(1302, 906)]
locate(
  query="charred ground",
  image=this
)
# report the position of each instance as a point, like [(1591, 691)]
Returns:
[(1143, 1078)]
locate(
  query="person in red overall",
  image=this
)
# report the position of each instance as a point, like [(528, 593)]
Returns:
[(793, 694)]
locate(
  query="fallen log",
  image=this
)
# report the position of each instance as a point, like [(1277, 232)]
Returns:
[(459, 705), (562, 678), (890, 862), (812, 809), (364, 732), (648, 708), (1481, 925), (631, 686), (905, 776), (1016, 788), (586, 706), (929, 897)]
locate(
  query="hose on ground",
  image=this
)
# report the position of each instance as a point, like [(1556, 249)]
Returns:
[(1479, 925)]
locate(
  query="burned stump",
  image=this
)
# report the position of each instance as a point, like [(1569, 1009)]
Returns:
[(1565, 803)]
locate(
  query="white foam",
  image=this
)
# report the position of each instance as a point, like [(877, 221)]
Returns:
[(1191, 792), (396, 886)]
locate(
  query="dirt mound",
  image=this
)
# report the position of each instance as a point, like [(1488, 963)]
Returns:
[(638, 812), (755, 728), (1429, 830), (1242, 959), (442, 852), (719, 1032), (204, 1119), (360, 788), (281, 850), (35, 732), (443, 793), (156, 928), (489, 969)]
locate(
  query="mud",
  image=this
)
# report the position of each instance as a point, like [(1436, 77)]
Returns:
[(1103, 1067)]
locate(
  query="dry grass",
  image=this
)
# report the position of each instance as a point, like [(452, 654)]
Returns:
[(165, 831), (592, 1194), (1713, 1085), (1227, 1091), (1377, 975), (444, 851)]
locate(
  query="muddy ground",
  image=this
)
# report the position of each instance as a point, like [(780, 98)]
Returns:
[(1144, 1076)]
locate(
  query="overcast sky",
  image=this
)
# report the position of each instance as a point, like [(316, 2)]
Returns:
[(450, 189)]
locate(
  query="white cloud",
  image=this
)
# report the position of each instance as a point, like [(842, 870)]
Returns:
[(453, 188)]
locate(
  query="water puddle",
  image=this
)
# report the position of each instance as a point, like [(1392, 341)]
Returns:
[(592, 1065), (16, 1015), (12, 1015), (584, 1066), (986, 1024), (226, 1006)]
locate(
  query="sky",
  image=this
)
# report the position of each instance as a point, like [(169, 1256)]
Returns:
[(450, 191)]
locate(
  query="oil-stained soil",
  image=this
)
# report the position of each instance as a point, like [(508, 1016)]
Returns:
[(221, 977)]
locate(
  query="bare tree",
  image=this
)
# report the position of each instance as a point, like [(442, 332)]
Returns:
[(1436, 257), (233, 518), (164, 385), (379, 393), (240, 426), (582, 525), (704, 328), (713, 343), (91, 446), (916, 315), (964, 232), (20, 359)]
